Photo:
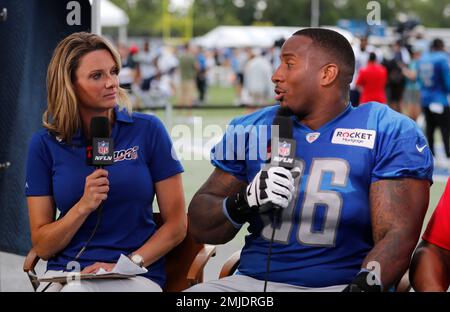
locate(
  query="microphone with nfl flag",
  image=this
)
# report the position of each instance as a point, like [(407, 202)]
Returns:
[(284, 143), (282, 155), (282, 150), (100, 151)]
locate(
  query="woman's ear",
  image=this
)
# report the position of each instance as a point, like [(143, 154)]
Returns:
[(329, 74)]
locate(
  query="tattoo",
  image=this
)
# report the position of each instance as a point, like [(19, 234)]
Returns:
[(389, 206), (221, 184), (207, 221), (397, 211)]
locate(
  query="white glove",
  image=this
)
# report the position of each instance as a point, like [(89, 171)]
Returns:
[(275, 186)]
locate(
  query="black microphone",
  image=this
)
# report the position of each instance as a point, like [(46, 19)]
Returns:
[(283, 147), (100, 150), (99, 153)]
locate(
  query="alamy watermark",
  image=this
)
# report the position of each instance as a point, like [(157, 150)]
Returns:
[(374, 276), (74, 15), (374, 15), (236, 142)]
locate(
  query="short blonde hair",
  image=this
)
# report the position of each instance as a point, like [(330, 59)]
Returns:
[(62, 116)]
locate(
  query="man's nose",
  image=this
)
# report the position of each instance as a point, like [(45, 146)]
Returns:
[(277, 75)]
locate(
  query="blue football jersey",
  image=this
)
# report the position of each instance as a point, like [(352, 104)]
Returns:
[(326, 231), (433, 75)]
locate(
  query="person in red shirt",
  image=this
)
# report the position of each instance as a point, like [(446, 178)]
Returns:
[(372, 81), (430, 267)]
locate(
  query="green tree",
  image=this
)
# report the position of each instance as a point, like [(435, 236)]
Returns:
[(146, 15)]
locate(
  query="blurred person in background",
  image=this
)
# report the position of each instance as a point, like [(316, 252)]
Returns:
[(396, 80), (411, 97), (187, 68), (372, 81), (362, 51), (147, 65), (239, 59), (434, 80), (258, 74), (201, 69), (129, 73), (167, 64)]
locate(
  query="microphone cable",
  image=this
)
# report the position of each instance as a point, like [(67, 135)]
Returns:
[(275, 222), (99, 217)]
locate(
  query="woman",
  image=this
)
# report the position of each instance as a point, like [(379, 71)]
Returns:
[(82, 83)]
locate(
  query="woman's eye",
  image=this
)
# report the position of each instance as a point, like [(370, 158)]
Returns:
[(96, 76)]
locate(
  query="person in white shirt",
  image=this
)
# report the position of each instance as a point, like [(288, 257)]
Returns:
[(258, 84)]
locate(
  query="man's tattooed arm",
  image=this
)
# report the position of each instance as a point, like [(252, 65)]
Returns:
[(207, 223), (397, 211)]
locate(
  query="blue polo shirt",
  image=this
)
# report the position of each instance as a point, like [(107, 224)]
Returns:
[(142, 157)]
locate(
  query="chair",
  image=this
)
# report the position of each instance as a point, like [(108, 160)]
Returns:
[(230, 266), (184, 263)]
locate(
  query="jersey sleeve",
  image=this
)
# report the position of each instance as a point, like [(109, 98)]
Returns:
[(162, 159), (402, 151), (438, 228), (39, 168), (229, 154), (445, 72)]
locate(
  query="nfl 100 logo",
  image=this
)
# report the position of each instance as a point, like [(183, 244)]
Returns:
[(103, 147), (284, 149)]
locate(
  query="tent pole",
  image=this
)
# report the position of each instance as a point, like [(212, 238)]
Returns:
[(315, 13), (96, 25), (123, 34)]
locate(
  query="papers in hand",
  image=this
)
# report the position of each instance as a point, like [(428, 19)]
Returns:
[(124, 268)]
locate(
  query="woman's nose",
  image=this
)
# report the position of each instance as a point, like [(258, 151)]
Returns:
[(111, 81)]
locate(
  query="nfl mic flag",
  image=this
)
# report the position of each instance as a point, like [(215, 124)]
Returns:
[(101, 150)]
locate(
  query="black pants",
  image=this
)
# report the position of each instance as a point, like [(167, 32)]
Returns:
[(441, 121), (201, 86)]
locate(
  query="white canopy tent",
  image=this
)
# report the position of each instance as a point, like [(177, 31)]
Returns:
[(107, 14), (251, 36)]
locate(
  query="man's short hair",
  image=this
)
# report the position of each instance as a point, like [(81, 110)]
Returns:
[(437, 45), (335, 45)]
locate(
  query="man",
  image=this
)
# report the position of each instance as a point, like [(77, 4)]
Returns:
[(148, 66), (372, 81), (396, 80), (187, 69), (358, 202), (362, 52), (434, 79), (430, 267), (258, 83)]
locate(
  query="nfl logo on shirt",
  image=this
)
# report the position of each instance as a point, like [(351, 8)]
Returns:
[(103, 147), (284, 149)]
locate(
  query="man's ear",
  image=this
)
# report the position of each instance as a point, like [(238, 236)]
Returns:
[(329, 74)]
